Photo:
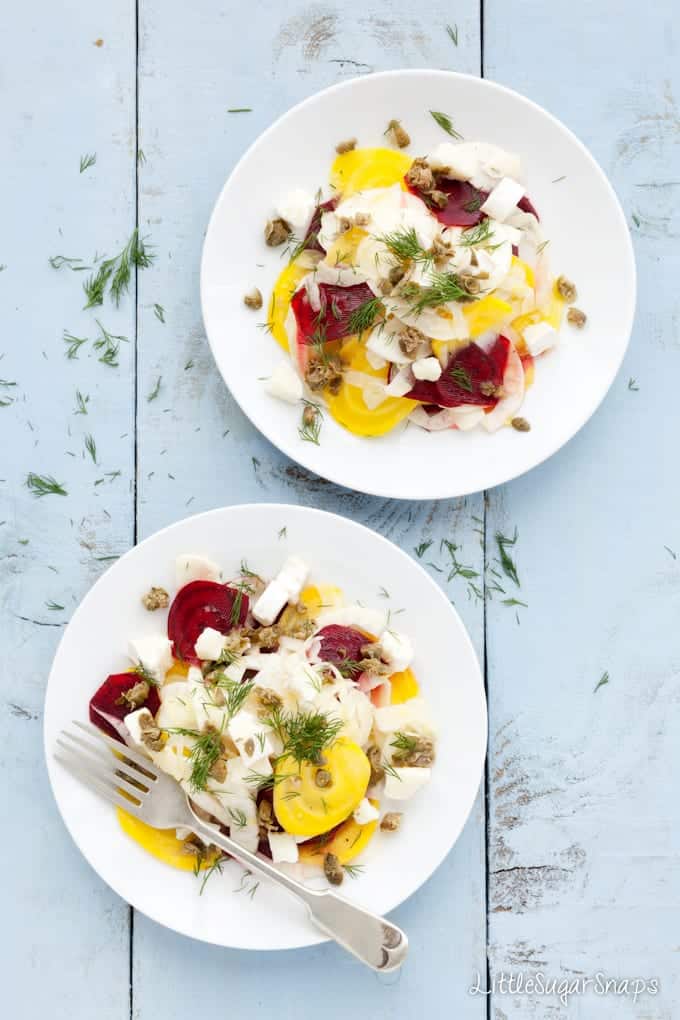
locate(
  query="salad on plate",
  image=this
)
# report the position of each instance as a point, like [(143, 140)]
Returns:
[(417, 290), (291, 719)]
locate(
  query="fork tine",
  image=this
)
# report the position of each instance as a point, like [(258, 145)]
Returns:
[(133, 757), (105, 770), (72, 765)]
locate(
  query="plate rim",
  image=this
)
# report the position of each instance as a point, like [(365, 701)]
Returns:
[(315, 937), (436, 492)]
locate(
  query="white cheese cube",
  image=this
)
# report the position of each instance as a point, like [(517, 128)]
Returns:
[(205, 709), (297, 208), (397, 650), (189, 567), (503, 199), (155, 654), (402, 784), (209, 644), (283, 847), (285, 383), (366, 812), (427, 368), (133, 721), (285, 587), (540, 337)]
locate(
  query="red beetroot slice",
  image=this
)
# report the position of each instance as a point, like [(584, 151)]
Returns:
[(331, 322), (202, 604), (460, 382), (311, 240), (463, 206), (339, 644), (108, 708), (526, 205)]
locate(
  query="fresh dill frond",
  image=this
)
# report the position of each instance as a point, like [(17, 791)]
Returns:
[(506, 561), (216, 865), (81, 403), (363, 317), (235, 694), (87, 161), (159, 312), (475, 203), (514, 602), (404, 245), (95, 285), (304, 734), (91, 447), (54, 606), (44, 485), (74, 344), (205, 751), (283, 532), (240, 109), (443, 287), (117, 271), (309, 429), (632, 385), (604, 679), (444, 122), (404, 743), (422, 548), (542, 246), (239, 817), (457, 569), (59, 261), (383, 592), (354, 870), (461, 377), (452, 32), (155, 391), (109, 345), (478, 236), (144, 673)]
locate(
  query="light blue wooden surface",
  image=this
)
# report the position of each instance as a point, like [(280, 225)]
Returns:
[(582, 820)]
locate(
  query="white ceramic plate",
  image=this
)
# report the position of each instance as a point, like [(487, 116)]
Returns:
[(589, 242), (357, 560)]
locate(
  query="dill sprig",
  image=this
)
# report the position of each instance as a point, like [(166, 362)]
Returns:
[(91, 447), (457, 569), (461, 377), (144, 673), (81, 403), (59, 261), (604, 679), (404, 743), (304, 734), (117, 271), (235, 694), (155, 391), (422, 548), (54, 606), (205, 751), (239, 817), (74, 344), (478, 236), (354, 870), (452, 32), (109, 345), (44, 485), (443, 287), (309, 429), (159, 312), (87, 161), (506, 561), (216, 865), (444, 122), (363, 317), (405, 246), (6, 400)]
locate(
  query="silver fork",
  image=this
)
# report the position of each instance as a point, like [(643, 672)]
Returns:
[(116, 773)]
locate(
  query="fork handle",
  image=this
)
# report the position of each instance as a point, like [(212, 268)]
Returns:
[(374, 940)]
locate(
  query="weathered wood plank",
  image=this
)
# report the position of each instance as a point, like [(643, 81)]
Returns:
[(583, 862), (63, 96), (192, 70)]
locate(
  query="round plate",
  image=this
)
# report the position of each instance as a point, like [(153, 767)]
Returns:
[(360, 562), (589, 242)]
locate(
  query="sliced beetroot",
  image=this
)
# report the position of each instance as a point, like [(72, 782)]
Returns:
[(463, 206), (332, 321), (311, 239), (202, 604), (526, 205), (467, 371), (339, 644), (108, 706)]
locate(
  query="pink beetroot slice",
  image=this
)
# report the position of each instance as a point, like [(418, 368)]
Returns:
[(332, 321), (463, 206), (526, 205), (108, 707), (470, 377), (311, 239), (341, 644), (202, 604)]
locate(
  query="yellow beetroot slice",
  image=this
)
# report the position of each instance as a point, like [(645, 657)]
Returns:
[(108, 706), (202, 604)]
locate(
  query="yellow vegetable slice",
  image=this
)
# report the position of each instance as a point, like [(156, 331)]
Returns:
[(287, 283), (403, 687), (528, 271), (487, 313), (343, 251), (347, 842), (161, 843), (322, 596), (305, 808), (368, 168), (348, 406)]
